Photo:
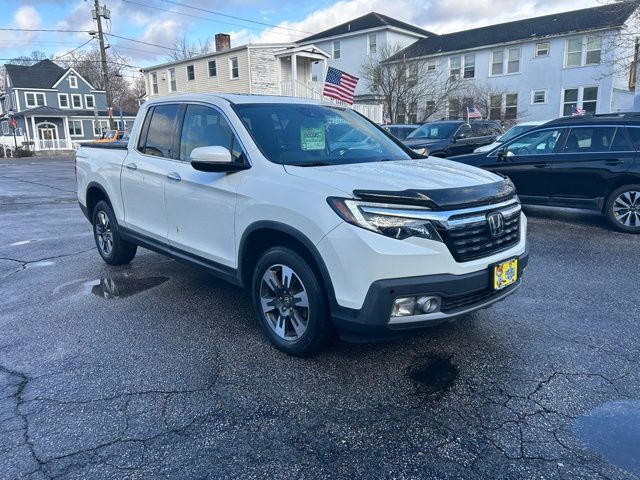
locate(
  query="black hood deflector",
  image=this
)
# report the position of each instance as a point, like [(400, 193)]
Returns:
[(444, 198)]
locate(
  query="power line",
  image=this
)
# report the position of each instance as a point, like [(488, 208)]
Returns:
[(199, 17), (71, 51), (140, 41), (41, 30), (179, 4)]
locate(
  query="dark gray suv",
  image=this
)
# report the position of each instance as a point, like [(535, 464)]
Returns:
[(447, 138)]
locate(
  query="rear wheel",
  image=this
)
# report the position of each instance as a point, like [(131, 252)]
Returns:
[(111, 246), (289, 301), (622, 208)]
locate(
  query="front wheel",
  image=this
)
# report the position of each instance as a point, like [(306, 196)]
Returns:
[(622, 208), (290, 303), (113, 249)]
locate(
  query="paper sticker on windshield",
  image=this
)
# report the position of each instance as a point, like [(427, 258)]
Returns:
[(312, 137)]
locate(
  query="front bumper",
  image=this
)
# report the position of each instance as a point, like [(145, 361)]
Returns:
[(461, 295)]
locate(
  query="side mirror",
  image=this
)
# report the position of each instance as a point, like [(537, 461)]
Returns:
[(214, 159)]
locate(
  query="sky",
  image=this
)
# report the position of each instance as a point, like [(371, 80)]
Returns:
[(161, 22)]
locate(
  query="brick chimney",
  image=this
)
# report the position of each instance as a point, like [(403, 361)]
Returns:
[(223, 42)]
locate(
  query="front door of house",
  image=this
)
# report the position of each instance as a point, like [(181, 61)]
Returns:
[(47, 136)]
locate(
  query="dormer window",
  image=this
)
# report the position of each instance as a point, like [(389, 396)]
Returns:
[(73, 81)]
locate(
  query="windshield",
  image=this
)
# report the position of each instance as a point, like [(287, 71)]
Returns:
[(315, 135), (513, 132), (433, 131)]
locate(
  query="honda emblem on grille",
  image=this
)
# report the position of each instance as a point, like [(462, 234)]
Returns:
[(495, 221)]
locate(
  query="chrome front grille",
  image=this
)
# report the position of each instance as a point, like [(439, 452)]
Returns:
[(468, 237)]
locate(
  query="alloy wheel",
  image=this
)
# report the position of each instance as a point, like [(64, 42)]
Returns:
[(104, 233), (626, 208), (285, 302)]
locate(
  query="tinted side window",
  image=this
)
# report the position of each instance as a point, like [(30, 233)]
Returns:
[(494, 129), (634, 133), (588, 140), (464, 131), (478, 129), (160, 136), (206, 127), (143, 131), (620, 142), (540, 142)]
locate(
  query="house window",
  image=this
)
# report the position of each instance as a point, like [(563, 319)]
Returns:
[(454, 66), (542, 49), (172, 80), (497, 62), (505, 61), (579, 98), (432, 65), (583, 51), (469, 65), (373, 43), (430, 108), (511, 106), (35, 99), (76, 100), (73, 81), (75, 128), (63, 100), (89, 101), (336, 49), (5, 127), (569, 101), (154, 83), (495, 107), (590, 99), (454, 108), (593, 50), (538, 97), (233, 67), (213, 71), (191, 72), (99, 127)]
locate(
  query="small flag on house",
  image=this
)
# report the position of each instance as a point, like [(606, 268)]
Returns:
[(340, 85), (473, 112), (575, 111)]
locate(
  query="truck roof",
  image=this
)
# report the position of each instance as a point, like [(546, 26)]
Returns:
[(237, 99)]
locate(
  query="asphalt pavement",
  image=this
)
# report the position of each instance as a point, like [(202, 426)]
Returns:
[(157, 370)]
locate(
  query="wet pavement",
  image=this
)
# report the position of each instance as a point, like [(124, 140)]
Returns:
[(156, 370)]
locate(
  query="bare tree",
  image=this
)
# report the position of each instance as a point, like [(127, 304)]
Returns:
[(34, 57), (182, 48), (407, 87)]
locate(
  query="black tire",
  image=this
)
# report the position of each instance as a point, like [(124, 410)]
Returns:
[(318, 331), (613, 205), (119, 251)]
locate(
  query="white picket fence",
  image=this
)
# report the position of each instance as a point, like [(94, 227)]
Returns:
[(313, 90)]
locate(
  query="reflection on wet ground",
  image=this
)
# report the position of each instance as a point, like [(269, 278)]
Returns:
[(613, 431), (121, 287), (433, 375)]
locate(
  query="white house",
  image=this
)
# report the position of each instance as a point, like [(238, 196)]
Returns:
[(352, 43), (535, 69)]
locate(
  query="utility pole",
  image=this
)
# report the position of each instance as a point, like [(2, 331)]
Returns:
[(103, 55)]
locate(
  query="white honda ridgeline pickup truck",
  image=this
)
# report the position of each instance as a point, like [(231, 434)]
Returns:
[(327, 219)]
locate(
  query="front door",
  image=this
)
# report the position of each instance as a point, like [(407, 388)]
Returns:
[(48, 136), (145, 171), (527, 161), (201, 205), (462, 141)]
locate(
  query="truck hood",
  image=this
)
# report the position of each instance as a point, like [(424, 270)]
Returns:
[(411, 181)]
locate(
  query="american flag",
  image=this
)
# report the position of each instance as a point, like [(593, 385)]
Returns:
[(473, 112), (575, 111), (340, 85)]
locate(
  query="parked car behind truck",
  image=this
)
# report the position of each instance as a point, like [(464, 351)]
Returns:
[(586, 162), (363, 240), (452, 137)]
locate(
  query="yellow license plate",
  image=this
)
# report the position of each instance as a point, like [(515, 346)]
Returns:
[(505, 274)]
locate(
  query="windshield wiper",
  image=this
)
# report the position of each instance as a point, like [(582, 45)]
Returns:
[(309, 164)]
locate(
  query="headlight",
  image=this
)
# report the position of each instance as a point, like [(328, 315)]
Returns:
[(388, 220), (422, 151)]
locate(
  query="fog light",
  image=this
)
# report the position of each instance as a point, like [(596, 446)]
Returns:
[(428, 304), (403, 306)]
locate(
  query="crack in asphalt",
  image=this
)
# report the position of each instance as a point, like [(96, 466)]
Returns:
[(24, 263), (36, 183)]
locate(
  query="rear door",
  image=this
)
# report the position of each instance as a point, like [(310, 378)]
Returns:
[(201, 205), (590, 160), (527, 161), (145, 171)]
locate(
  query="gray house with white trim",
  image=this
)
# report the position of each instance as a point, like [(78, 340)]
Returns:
[(53, 108)]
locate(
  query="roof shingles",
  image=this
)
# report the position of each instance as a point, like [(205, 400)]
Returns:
[(43, 74), (606, 16)]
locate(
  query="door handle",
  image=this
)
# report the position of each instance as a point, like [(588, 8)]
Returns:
[(174, 176), (132, 166), (614, 162), (541, 165)]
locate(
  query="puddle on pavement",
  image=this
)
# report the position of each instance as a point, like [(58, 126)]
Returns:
[(612, 431), (122, 287), (433, 375)]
